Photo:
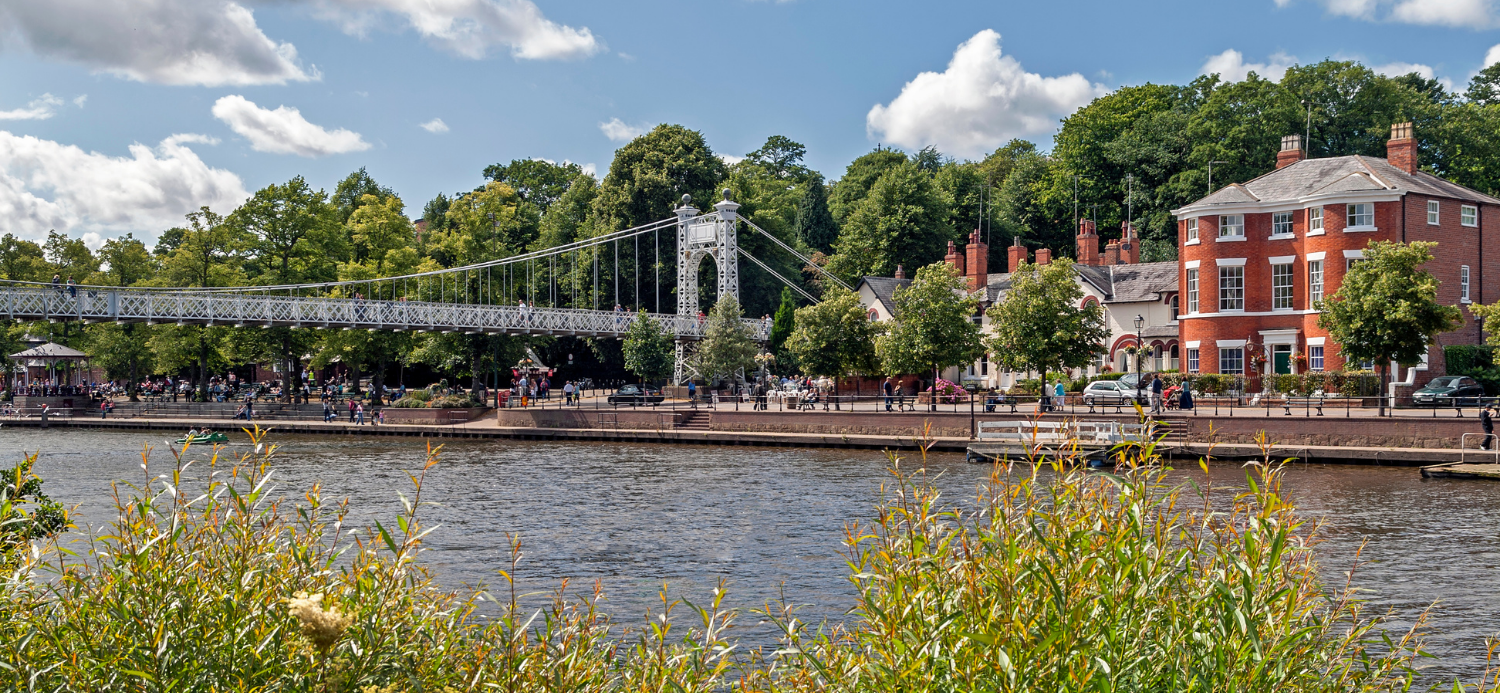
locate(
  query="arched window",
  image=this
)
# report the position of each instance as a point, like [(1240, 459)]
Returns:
[(1174, 307)]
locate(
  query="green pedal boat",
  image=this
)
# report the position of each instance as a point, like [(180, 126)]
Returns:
[(200, 438)]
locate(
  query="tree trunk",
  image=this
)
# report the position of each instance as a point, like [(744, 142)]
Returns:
[(353, 378), (1385, 372), (203, 365), (290, 379), (379, 382), (932, 399), (1046, 393)]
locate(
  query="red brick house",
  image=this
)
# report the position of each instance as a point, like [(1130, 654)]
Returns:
[(1254, 257)]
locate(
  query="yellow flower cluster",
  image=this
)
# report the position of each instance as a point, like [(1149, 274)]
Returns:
[(321, 627)]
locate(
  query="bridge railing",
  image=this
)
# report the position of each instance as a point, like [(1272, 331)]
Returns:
[(144, 305)]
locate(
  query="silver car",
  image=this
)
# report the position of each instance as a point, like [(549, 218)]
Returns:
[(1111, 392)]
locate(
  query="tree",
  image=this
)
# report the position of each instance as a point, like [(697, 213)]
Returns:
[(781, 327), (648, 349), (435, 214), (934, 326), (566, 217), (22, 260), (208, 255), (815, 226), (1386, 308), (350, 193), (377, 228), (1039, 326), (126, 261), (70, 257), (902, 221), (291, 231), (859, 178), (123, 351), (26, 514), (651, 173), (539, 183), (781, 158), (836, 337), (727, 347)]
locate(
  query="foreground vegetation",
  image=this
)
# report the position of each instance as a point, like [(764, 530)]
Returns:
[(1067, 582)]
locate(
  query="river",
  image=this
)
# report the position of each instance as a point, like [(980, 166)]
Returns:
[(771, 520)]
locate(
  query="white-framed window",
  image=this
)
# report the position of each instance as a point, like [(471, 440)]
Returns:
[(1314, 220), (1281, 224), (1281, 287), (1173, 304), (1192, 360), (1232, 360), (1468, 215), (1315, 357), (1361, 215), (1350, 262), (1232, 226), (1192, 230), (1463, 284), (1314, 282), (1432, 212), (1231, 287), (1192, 290)]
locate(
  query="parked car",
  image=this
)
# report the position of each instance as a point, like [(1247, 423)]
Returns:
[(1450, 390), (636, 394), (1110, 392)]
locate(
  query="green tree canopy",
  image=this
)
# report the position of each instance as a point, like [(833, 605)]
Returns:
[(538, 183), (814, 226), (126, 262), (904, 220), (728, 345), (859, 178), (1039, 326), (835, 338), (23, 260), (1386, 308), (350, 193), (934, 324), (781, 328), (292, 233), (648, 349)]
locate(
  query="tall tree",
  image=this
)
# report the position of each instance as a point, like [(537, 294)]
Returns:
[(1386, 308), (209, 255), (728, 347), (781, 158), (1039, 326), (815, 226), (565, 219), (648, 349), (903, 221), (350, 193), (859, 178), (377, 228), (126, 261), (292, 231), (22, 260), (835, 338), (934, 326), (538, 183), (70, 257), (781, 328)]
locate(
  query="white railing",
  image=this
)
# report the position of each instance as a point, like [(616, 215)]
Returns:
[(186, 308)]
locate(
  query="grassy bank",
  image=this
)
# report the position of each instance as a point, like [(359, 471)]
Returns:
[(1071, 581)]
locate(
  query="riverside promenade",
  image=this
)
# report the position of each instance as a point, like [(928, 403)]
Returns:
[(1410, 438)]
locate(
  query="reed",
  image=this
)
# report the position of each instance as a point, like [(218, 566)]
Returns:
[(1052, 581)]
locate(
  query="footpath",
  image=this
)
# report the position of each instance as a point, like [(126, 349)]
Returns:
[(1185, 442)]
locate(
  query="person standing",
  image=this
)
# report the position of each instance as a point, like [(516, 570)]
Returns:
[(359, 412), (104, 409), (1061, 393), (692, 393), (1487, 424), (1156, 387), (351, 410), (885, 388), (327, 412), (568, 392)]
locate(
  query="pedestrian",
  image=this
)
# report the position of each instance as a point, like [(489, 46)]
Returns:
[(1487, 424), (72, 287), (885, 388), (1156, 387), (692, 393), (327, 412), (568, 392), (351, 410), (104, 409), (359, 412)]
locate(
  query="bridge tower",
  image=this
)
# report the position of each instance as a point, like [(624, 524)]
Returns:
[(710, 235)]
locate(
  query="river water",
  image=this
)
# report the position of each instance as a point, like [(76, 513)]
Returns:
[(771, 520)]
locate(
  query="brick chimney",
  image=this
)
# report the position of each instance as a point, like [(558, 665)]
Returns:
[(978, 261), (1112, 253), (1088, 243), (955, 258), (1401, 151), (1130, 244), (1043, 256), (1291, 151), (900, 273), (1017, 255)]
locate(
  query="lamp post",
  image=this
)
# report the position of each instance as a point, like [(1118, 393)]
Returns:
[(1140, 322)]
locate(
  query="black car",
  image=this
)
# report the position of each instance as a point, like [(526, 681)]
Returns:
[(636, 394), (1450, 390)]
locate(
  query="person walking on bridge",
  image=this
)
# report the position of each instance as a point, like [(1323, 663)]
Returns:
[(1487, 424)]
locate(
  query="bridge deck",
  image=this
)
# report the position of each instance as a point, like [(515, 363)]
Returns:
[(241, 310)]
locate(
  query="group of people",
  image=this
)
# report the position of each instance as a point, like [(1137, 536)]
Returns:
[(356, 413)]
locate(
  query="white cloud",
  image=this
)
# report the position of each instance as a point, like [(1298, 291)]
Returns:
[(40, 108), (590, 169), (981, 100), (436, 125), (284, 130), (1397, 69), (46, 185), (204, 42), (1491, 57), (82, 98), (1230, 66), (472, 28), (1474, 14), (731, 159), (617, 131)]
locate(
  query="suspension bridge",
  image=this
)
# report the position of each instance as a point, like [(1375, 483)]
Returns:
[(521, 294)]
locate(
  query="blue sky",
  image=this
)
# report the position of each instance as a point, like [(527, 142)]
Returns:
[(121, 119)]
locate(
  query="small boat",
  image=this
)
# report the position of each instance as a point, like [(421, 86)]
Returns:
[(200, 438)]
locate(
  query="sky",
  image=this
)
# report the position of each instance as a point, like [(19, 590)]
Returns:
[(120, 116)]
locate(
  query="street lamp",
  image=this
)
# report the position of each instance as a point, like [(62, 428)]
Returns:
[(1140, 322)]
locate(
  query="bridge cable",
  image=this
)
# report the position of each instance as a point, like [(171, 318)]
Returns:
[(636, 260), (776, 274), (800, 256), (617, 272), (656, 269)]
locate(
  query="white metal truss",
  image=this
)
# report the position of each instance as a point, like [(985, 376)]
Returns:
[(240, 310), (711, 235)]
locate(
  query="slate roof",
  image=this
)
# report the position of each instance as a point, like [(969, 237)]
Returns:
[(1333, 175), (884, 289), (1160, 331), (1119, 283)]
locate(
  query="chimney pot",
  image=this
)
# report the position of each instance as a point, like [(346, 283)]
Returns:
[(1401, 150), (1043, 256), (977, 261), (1017, 255), (1088, 243), (1291, 151), (900, 273), (1112, 253), (955, 258)]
